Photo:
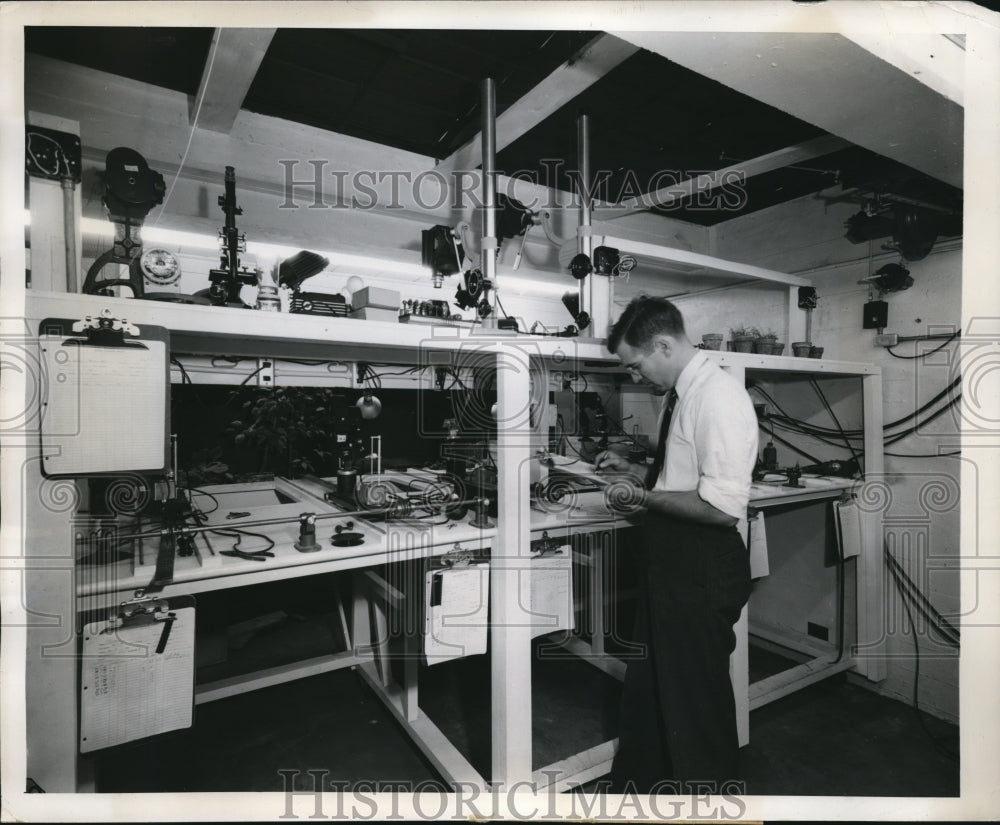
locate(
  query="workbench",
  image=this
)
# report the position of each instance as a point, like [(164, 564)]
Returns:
[(57, 591)]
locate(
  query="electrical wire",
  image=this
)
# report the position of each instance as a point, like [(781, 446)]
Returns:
[(246, 380), (924, 455), (789, 444), (924, 354), (856, 432), (215, 501), (833, 415), (238, 534), (951, 634), (935, 740), (517, 325), (185, 378), (194, 126), (900, 436)]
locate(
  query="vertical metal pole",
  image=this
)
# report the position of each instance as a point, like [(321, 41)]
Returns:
[(584, 239), (489, 242), (69, 231)]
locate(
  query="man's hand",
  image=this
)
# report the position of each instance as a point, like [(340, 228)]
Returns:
[(612, 463), (609, 462)]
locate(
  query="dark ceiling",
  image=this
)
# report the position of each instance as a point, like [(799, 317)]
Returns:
[(419, 90)]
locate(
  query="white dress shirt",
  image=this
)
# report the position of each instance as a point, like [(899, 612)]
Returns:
[(712, 440)]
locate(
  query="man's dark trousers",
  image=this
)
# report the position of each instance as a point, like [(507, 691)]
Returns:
[(677, 728)]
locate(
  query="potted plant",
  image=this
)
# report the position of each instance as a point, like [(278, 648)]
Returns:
[(712, 340), (765, 344), (743, 338)]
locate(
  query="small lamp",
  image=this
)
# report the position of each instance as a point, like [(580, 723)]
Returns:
[(369, 405)]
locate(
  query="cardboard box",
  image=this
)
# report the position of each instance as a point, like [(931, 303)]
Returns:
[(373, 296), (376, 314)]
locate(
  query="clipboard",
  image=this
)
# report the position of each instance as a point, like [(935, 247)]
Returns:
[(137, 673), (105, 401), (456, 611)]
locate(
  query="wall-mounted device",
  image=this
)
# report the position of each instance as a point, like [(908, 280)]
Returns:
[(914, 226), (441, 252), (889, 278), (131, 190)]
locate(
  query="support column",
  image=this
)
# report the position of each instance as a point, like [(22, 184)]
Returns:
[(510, 559)]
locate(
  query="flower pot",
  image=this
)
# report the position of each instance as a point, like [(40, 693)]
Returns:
[(802, 349), (743, 344), (712, 340), (730, 347), (816, 352), (777, 348), (764, 346)]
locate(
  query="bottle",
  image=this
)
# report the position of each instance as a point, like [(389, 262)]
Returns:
[(267, 293), (770, 456)]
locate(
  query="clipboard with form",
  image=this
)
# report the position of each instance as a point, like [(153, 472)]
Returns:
[(105, 399), (137, 674)]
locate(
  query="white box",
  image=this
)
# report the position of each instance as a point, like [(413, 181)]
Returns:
[(375, 314), (373, 296)]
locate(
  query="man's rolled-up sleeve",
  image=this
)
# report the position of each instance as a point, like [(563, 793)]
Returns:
[(726, 443)]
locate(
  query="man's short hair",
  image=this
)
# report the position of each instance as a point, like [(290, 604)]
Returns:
[(642, 320)]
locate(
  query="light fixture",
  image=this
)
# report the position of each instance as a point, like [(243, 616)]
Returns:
[(369, 405)]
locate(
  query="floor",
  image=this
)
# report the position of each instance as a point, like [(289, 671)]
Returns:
[(834, 738)]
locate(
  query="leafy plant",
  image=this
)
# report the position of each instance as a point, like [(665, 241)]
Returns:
[(206, 467), (292, 428), (744, 332)]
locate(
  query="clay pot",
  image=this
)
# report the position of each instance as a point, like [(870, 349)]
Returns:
[(712, 340), (802, 349)]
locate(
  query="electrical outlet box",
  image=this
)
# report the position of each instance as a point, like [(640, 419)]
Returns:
[(265, 373), (818, 631), (876, 315), (886, 339)]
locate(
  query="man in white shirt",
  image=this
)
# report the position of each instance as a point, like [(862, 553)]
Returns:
[(678, 719)]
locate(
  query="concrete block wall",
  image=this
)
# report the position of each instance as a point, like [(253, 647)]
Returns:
[(919, 496)]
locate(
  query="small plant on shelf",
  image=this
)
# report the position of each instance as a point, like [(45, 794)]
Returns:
[(742, 338)]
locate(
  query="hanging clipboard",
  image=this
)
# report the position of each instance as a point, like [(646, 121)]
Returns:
[(105, 401), (137, 673)]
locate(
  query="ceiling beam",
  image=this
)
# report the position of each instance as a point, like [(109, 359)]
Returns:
[(590, 64), (834, 83), (734, 175), (233, 60)]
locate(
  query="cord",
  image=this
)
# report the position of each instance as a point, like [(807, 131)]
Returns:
[(833, 415), (923, 455), (791, 446), (194, 126), (924, 354), (238, 534), (246, 380), (936, 741), (505, 314), (936, 621), (215, 501)]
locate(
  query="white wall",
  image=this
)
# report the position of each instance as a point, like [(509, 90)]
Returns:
[(922, 517), (114, 111)]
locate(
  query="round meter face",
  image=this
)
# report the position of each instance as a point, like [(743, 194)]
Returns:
[(160, 267)]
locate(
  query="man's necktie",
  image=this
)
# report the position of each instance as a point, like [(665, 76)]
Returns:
[(661, 446)]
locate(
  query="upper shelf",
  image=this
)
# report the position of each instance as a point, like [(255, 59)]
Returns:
[(206, 330)]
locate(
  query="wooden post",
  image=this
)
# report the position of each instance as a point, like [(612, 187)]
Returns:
[(510, 631)]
